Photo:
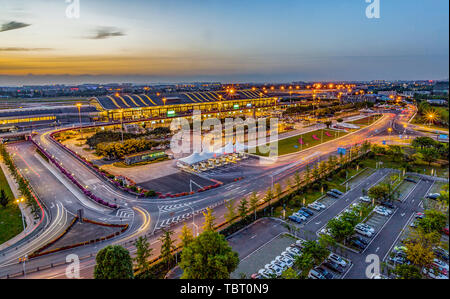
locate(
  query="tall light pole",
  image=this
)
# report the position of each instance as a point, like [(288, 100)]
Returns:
[(19, 201), (121, 123), (193, 222), (79, 116)]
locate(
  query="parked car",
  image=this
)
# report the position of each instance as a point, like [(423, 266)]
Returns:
[(361, 239), (441, 253), (276, 269), (306, 210), (365, 199), (329, 193), (324, 272), (337, 191), (371, 229), (445, 230), (302, 218), (295, 219), (433, 195), (381, 212), (314, 274), (337, 259), (293, 250), (363, 231), (333, 266), (358, 244), (440, 263), (314, 207), (265, 273), (388, 204), (411, 180), (304, 214), (419, 215), (300, 243), (287, 261), (434, 274)]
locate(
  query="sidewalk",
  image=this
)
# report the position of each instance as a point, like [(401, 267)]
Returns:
[(26, 212)]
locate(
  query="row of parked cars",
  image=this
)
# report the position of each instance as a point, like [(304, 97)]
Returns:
[(332, 263), (286, 260), (301, 215), (282, 262), (335, 193)]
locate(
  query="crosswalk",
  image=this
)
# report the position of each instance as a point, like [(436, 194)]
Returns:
[(125, 213), (170, 208), (176, 219)]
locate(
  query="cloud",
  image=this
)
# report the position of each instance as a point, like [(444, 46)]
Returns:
[(12, 25), (17, 49), (106, 32)]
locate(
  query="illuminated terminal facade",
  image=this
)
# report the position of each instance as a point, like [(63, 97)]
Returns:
[(143, 106)]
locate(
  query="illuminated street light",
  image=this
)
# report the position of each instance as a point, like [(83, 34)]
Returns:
[(18, 202), (79, 116)]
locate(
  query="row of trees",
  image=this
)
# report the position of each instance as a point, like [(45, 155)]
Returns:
[(114, 150), (206, 256), (112, 136), (23, 185), (420, 245)]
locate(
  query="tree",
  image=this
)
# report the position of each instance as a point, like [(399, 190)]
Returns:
[(289, 274), (243, 208), (405, 271), (269, 195), (4, 199), (429, 154), (318, 252), (143, 253), (167, 246), (307, 176), (297, 180), (186, 236), (328, 123), (209, 220), (418, 254), (304, 263), (423, 142), (231, 213), (209, 256), (340, 229), (278, 191), (379, 192), (113, 262), (253, 203), (434, 221)]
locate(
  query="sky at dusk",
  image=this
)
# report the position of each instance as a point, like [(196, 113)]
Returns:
[(146, 41)]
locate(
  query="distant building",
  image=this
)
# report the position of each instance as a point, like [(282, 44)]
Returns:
[(437, 102)]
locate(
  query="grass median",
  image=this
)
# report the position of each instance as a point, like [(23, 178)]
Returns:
[(292, 145), (10, 216)]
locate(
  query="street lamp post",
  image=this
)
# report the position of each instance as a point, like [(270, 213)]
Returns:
[(79, 117), (121, 123), (19, 201), (193, 222)]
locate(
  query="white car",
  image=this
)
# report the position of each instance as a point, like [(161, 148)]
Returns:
[(276, 269), (321, 205), (283, 260), (314, 274), (381, 212), (300, 243), (363, 232), (294, 250), (365, 226), (289, 254), (265, 273), (324, 231), (365, 199), (337, 259), (314, 207), (383, 209)]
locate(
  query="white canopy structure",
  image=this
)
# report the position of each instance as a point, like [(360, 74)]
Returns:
[(239, 147), (227, 149)]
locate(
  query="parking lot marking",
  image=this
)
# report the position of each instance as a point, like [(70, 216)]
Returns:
[(399, 234), (252, 236)]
